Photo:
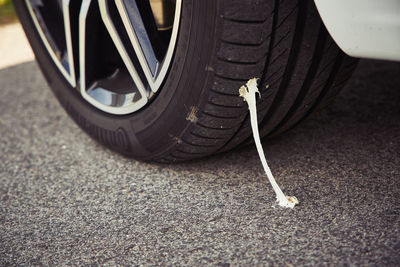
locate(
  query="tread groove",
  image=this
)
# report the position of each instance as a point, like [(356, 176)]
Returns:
[(276, 58), (287, 16), (195, 145), (213, 128), (205, 137), (189, 153), (245, 21), (273, 74), (237, 62), (230, 79), (225, 106), (282, 38), (318, 53), (223, 93), (218, 116), (293, 57), (330, 81), (244, 45)]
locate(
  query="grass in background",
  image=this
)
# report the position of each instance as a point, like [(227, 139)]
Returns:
[(7, 12)]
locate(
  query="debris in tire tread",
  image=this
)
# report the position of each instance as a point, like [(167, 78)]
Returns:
[(248, 92)]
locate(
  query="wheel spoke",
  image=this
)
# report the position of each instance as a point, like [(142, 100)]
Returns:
[(68, 39), (82, 45), (103, 4), (171, 46), (60, 48), (97, 95), (139, 38), (153, 69)]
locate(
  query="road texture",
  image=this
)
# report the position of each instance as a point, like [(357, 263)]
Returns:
[(66, 200)]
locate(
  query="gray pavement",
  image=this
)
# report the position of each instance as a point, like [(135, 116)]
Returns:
[(66, 200)]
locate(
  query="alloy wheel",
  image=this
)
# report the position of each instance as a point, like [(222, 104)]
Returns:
[(115, 53)]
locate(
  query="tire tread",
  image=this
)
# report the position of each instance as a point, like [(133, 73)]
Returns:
[(267, 45)]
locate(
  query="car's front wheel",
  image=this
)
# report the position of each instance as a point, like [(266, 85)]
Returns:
[(159, 79)]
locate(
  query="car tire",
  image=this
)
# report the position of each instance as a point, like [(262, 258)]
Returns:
[(220, 45)]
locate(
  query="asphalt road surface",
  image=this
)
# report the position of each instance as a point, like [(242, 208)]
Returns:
[(66, 200)]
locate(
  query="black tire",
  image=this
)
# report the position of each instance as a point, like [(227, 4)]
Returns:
[(221, 44)]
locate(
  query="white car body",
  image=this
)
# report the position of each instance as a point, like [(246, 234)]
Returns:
[(363, 28)]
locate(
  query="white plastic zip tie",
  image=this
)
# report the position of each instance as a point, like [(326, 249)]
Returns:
[(248, 92)]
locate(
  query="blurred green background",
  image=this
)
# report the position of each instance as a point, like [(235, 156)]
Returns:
[(7, 13)]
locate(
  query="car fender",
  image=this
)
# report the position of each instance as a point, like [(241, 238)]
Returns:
[(363, 28)]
